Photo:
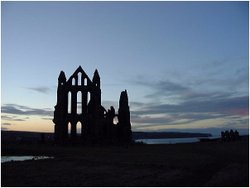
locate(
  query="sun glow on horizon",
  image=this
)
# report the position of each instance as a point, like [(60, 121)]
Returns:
[(33, 124)]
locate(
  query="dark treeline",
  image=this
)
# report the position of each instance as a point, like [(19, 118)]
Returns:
[(230, 135)]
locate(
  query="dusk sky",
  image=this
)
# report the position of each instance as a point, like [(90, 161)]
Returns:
[(184, 64)]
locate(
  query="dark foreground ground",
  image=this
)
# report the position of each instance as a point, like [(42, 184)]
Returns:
[(195, 164)]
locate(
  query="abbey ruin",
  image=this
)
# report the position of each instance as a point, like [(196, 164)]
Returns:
[(80, 117)]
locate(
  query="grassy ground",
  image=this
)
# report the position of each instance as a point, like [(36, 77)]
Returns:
[(195, 164)]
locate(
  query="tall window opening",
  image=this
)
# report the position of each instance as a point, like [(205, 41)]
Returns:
[(78, 128), (115, 120), (88, 97), (69, 128), (69, 102), (79, 78), (73, 81), (79, 103), (85, 81)]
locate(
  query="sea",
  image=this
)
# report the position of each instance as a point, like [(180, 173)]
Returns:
[(5, 159), (173, 140)]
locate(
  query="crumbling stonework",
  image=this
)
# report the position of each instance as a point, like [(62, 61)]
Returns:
[(80, 117)]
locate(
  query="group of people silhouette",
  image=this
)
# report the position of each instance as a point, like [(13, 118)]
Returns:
[(230, 135)]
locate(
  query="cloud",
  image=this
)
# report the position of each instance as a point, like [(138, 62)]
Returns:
[(44, 90), (24, 110), (216, 105), (162, 85), (45, 118), (217, 77), (234, 111), (13, 118), (172, 118), (172, 97), (6, 124), (172, 92), (4, 128), (163, 88), (151, 119)]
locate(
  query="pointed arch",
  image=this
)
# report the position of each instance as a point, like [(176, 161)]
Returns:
[(79, 78)]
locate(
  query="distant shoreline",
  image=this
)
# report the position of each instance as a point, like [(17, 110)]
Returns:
[(29, 136), (157, 135)]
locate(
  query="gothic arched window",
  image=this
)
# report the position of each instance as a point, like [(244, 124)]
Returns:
[(73, 81), (79, 103), (79, 78)]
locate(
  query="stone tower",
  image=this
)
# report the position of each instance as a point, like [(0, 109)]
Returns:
[(124, 118)]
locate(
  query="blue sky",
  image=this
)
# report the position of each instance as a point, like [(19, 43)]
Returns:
[(184, 64)]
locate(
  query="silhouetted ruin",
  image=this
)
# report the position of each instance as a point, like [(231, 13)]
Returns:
[(80, 117)]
